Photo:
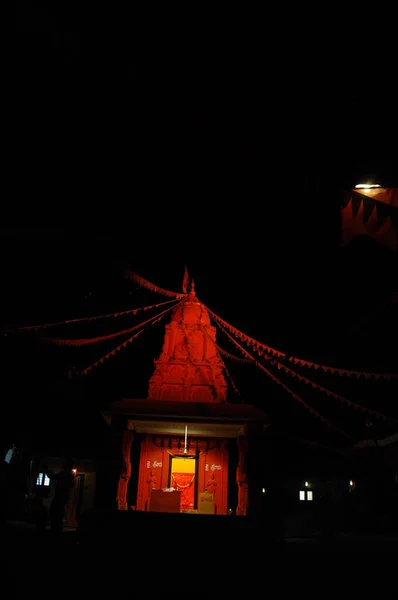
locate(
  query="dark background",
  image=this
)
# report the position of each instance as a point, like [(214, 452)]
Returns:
[(229, 154)]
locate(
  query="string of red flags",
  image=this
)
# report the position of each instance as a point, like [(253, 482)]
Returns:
[(262, 349), (123, 345), (232, 356), (129, 274), (96, 340), (308, 381), (132, 311), (228, 374), (112, 353), (341, 372), (257, 346), (218, 351), (330, 393), (285, 387)]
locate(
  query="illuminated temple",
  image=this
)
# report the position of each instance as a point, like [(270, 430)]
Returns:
[(185, 432)]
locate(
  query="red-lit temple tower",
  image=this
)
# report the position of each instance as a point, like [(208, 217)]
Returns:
[(186, 426)]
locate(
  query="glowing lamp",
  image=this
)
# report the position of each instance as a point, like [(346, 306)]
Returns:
[(367, 186), (306, 484)]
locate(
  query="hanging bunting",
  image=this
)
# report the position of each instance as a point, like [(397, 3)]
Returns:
[(260, 348), (233, 384), (286, 388), (112, 353), (232, 356), (372, 213), (330, 393), (218, 351), (123, 345), (243, 337), (96, 340), (150, 286), (132, 311), (341, 372)]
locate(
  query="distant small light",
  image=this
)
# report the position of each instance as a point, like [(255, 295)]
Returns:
[(367, 186), (306, 484), (264, 490), (351, 483), (74, 471)]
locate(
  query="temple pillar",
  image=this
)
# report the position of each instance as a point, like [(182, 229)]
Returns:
[(241, 477), (117, 469), (125, 470)]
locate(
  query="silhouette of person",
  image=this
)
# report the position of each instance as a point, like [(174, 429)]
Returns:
[(4, 477), (65, 480)]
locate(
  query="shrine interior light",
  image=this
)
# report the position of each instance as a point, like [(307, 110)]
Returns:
[(186, 440)]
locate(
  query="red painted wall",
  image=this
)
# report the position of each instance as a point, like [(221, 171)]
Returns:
[(213, 475), (212, 469), (153, 471)]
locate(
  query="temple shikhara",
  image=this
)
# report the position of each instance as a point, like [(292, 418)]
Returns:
[(185, 427)]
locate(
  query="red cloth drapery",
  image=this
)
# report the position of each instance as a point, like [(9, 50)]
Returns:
[(372, 213), (386, 195), (185, 483)]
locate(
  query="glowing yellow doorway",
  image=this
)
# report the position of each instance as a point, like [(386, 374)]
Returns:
[(182, 477)]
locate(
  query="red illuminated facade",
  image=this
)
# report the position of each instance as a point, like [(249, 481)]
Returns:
[(185, 428)]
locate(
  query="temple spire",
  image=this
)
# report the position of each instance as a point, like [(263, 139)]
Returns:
[(189, 368)]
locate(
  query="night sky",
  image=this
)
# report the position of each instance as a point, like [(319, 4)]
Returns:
[(230, 162)]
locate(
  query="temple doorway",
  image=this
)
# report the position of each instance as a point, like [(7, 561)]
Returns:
[(183, 476)]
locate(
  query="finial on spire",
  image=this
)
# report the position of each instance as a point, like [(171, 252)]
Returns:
[(192, 288), (185, 281)]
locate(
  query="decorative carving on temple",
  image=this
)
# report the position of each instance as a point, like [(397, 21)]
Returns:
[(125, 471), (181, 349), (188, 368), (152, 483), (201, 393), (212, 485)]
